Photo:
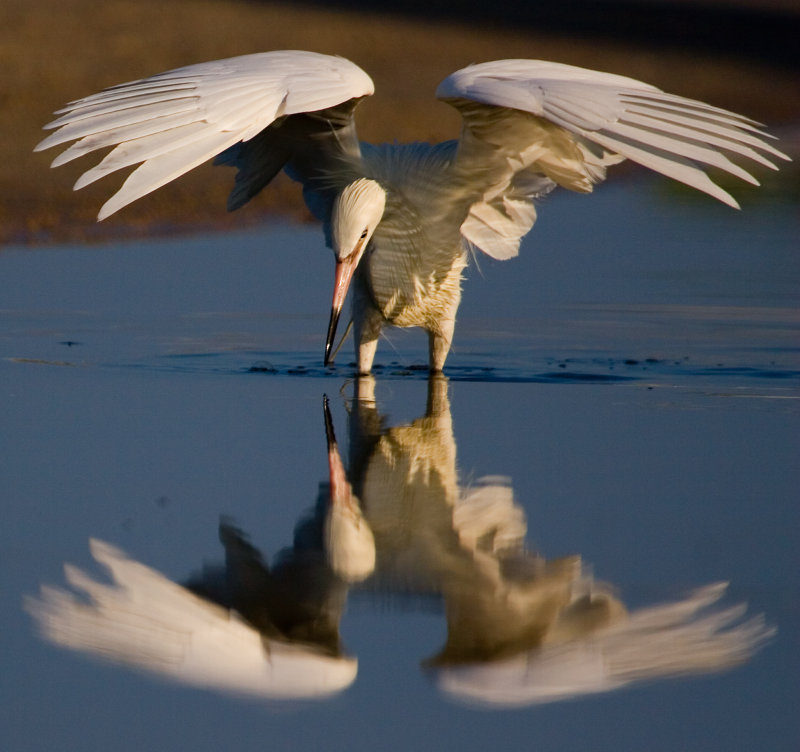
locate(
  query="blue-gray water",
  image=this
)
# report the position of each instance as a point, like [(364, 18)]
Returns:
[(634, 374)]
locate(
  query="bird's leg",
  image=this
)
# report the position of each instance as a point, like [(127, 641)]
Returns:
[(440, 333), (365, 354), (364, 426), (365, 390), (367, 324), (438, 404), (438, 347), (439, 341)]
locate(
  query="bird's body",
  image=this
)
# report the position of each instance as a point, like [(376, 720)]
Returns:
[(411, 274), (402, 219)]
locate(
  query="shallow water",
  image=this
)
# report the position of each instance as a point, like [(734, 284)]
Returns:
[(628, 386)]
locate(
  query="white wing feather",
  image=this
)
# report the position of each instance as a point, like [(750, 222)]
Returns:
[(579, 121), (497, 225), (667, 133), (681, 638), (145, 621), (176, 120)]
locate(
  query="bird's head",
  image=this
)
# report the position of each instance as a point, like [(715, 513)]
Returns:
[(356, 212)]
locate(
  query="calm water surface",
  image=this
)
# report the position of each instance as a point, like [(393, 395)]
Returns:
[(520, 556)]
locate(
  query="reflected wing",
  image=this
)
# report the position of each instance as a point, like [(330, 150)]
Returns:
[(686, 637), (531, 124), (145, 621), (174, 121)]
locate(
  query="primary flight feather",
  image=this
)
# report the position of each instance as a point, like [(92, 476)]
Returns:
[(401, 218)]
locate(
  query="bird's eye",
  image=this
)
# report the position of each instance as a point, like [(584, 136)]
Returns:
[(364, 234)]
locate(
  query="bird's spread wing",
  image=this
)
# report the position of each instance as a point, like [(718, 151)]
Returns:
[(145, 621), (531, 124), (174, 121), (681, 638)]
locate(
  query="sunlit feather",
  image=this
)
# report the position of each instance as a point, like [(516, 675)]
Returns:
[(528, 125)]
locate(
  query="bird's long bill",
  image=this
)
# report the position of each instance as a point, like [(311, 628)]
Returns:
[(344, 273), (341, 490)]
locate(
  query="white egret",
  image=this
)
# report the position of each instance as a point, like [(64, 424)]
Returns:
[(401, 219)]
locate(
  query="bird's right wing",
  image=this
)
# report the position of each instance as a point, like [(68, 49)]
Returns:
[(527, 119), (175, 121), (680, 638)]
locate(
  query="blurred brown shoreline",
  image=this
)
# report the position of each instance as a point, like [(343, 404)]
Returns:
[(56, 50)]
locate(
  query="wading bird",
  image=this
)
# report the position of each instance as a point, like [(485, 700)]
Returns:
[(402, 219)]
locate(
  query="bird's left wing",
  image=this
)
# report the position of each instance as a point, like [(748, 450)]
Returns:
[(145, 621), (175, 121), (525, 118)]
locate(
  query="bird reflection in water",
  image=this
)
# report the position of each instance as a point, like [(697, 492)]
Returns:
[(244, 628), (520, 629)]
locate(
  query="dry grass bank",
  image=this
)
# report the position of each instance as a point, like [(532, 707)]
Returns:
[(52, 51)]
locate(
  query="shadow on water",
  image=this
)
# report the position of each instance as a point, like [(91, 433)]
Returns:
[(395, 522)]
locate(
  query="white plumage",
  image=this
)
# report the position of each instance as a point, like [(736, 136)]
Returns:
[(175, 121), (528, 126), (145, 621), (679, 638)]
